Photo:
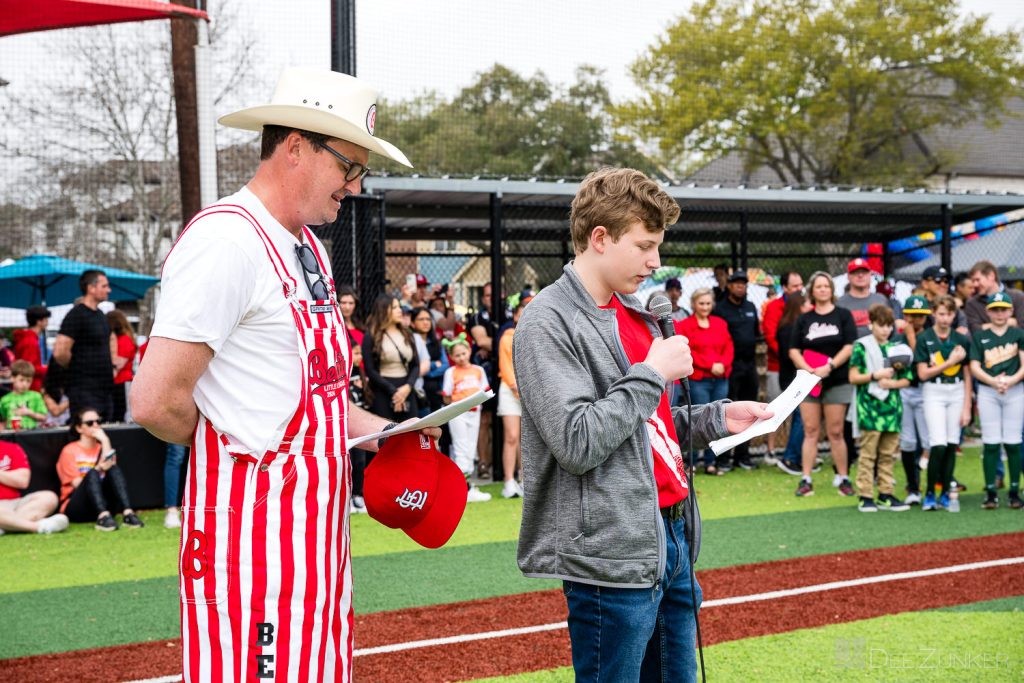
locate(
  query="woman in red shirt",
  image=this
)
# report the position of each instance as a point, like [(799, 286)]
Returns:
[(124, 366), (711, 347)]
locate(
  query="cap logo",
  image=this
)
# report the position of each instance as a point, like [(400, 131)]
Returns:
[(424, 442), (371, 118), (412, 499)]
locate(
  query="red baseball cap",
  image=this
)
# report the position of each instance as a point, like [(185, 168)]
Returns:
[(857, 264), (412, 486), (421, 280)]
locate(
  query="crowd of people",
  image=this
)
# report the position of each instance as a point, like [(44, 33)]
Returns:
[(899, 383)]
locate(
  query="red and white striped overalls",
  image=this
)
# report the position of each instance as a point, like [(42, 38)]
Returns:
[(265, 564)]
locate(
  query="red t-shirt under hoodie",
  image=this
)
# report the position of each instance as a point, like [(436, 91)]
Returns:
[(669, 470)]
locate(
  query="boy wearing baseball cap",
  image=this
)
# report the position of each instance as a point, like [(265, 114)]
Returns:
[(997, 362), (914, 429)]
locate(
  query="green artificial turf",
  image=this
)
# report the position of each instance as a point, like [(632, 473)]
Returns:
[(977, 642), (125, 583), (748, 499)]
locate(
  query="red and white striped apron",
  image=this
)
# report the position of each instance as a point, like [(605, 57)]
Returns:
[(265, 564)]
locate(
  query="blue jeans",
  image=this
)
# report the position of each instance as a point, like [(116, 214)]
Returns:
[(172, 474), (707, 391), (637, 634), (794, 447)]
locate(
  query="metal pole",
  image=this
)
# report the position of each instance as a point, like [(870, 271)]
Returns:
[(733, 255), (886, 260), (343, 36), (743, 240), (498, 315), (947, 239)]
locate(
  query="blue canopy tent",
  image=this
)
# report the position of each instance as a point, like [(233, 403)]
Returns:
[(52, 280)]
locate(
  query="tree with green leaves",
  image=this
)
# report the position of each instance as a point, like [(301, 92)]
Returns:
[(505, 124), (821, 91)]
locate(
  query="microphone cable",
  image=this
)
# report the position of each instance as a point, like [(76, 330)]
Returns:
[(661, 308), (691, 527)]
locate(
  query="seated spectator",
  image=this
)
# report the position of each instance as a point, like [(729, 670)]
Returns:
[(32, 513), (124, 370), (22, 408), (90, 480), (711, 347), (30, 343)]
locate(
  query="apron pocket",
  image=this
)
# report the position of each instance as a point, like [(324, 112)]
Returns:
[(207, 568)]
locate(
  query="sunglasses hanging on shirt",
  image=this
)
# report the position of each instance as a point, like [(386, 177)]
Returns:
[(310, 266)]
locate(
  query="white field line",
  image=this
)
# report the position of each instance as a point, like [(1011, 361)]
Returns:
[(738, 600)]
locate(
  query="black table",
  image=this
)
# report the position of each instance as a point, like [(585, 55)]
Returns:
[(140, 455)]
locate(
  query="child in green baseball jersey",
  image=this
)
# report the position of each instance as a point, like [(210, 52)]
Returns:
[(997, 362), (879, 410), (946, 389)]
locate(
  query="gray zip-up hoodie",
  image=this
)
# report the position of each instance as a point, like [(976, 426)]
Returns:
[(590, 509)]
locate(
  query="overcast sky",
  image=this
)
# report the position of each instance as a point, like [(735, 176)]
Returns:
[(408, 46)]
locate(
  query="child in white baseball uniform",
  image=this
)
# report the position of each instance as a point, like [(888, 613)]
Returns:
[(946, 388), (997, 362), (461, 380)]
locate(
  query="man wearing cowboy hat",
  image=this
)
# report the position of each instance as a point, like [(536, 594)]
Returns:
[(249, 364)]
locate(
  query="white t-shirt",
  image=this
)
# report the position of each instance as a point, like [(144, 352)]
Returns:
[(219, 287)]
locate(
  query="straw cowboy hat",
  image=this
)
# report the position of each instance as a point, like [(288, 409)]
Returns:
[(320, 101)]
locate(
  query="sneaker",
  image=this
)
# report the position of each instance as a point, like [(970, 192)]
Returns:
[(475, 495), (358, 505), (172, 519), (959, 487), (867, 505), (1015, 502), (773, 457), (805, 489), (929, 502), (746, 464), (789, 468), (913, 498), (943, 501), (132, 520), (106, 523), (837, 480), (991, 501), (887, 501), (52, 524), (845, 488), (511, 490), (724, 468)]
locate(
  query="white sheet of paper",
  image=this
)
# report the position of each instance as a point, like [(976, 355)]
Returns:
[(434, 419), (782, 406)]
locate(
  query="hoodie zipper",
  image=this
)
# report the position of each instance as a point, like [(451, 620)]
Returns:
[(662, 541)]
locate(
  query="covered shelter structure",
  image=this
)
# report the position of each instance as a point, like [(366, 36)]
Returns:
[(757, 224)]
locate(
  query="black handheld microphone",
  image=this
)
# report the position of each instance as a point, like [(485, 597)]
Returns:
[(661, 308)]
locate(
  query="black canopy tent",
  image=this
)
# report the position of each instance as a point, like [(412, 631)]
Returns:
[(412, 208)]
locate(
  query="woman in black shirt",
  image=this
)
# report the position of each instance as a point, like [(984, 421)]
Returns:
[(821, 343)]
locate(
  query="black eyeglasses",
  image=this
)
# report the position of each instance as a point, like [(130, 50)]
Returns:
[(91, 423), (310, 266), (353, 169)]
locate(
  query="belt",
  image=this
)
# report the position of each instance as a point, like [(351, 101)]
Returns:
[(948, 380), (673, 512)]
